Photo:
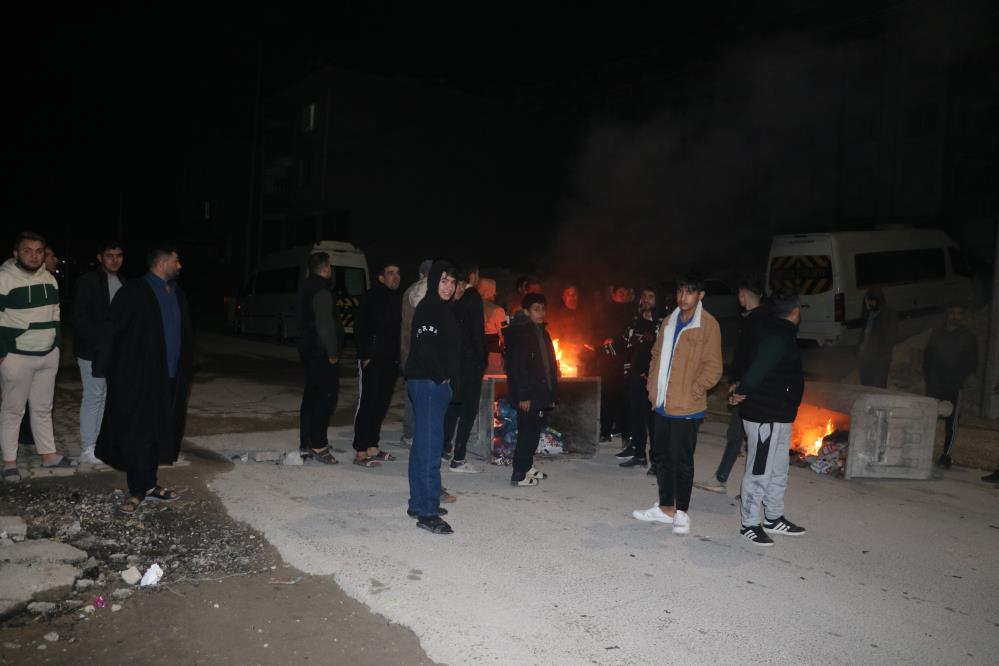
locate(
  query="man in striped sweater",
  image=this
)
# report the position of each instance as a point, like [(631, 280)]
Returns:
[(29, 351)]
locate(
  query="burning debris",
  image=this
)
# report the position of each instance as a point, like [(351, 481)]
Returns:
[(567, 357), (820, 439), (551, 442)]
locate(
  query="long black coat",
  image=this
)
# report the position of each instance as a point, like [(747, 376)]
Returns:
[(140, 412)]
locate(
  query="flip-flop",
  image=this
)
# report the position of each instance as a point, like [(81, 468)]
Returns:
[(526, 482), (383, 455), (366, 462), (161, 494), (63, 463), (323, 455)]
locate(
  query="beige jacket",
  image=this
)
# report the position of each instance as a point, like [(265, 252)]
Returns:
[(683, 385)]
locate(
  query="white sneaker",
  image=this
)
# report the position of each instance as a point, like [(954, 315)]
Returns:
[(87, 456), (536, 474), (462, 467), (681, 523), (406, 442), (653, 515)]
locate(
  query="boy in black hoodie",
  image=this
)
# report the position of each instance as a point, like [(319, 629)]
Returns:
[(432, 372), (532, 374)]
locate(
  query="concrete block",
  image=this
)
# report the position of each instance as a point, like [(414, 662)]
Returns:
[(39, 550), (15, 528)]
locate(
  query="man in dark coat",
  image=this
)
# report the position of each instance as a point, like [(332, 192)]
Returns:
[(950, 357), (877, 339), (149, 378), (532, 373), (464, 407), (377, 332), (319, 350)]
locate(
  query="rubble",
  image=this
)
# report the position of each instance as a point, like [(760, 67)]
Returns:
[(292, 458), (13, 527), (41, 607), (52, 637), (76, 541), (267, 456), (131, 575)]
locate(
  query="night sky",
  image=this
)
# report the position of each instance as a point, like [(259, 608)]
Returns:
[(114, 112)]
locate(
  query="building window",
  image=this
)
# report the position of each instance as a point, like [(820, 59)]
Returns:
[(309, 117)]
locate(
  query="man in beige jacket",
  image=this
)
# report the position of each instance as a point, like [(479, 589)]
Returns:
[(686, 364)]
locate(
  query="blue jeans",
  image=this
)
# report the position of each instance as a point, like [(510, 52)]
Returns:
[(430, 401)]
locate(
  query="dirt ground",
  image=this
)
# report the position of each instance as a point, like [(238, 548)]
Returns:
[(236, 602)]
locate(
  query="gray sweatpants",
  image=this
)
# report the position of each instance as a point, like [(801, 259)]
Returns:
[(765, 481)]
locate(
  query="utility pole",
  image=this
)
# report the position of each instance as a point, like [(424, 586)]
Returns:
[(990, 401)]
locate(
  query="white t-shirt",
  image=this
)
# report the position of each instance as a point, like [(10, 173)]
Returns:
[(114, 284)]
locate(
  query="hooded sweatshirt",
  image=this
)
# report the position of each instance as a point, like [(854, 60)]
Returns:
[(29, 311), (434, 341)]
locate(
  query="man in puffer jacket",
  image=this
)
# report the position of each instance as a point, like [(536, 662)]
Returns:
[(29, 351)]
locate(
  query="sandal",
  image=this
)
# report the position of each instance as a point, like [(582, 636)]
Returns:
[(323, 455), (447, 498), (130, 506), (434, 525), (160, 494), (366, 462), (11, 475), (62, 463), (383, 455), (535, 474)]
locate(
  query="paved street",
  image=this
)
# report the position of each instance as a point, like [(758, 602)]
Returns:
[(890, 572)]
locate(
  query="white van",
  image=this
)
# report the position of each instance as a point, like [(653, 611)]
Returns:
[(920, 271), (267, 304)]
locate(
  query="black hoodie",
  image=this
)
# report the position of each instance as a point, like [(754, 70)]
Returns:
[(435, 342), (378, 325)]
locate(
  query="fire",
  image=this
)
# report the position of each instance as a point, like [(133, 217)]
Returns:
[(567, 363), (812, 426)]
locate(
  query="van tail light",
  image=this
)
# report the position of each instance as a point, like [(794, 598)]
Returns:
[(839, 307)]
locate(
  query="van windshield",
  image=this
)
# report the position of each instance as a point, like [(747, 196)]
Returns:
[(803, 274)]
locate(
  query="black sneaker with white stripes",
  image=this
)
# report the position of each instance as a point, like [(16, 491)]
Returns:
[(783, 526), (756, 535)]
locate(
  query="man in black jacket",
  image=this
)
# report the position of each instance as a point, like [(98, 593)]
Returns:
[(92, 336), (319, 349), (877, 340), (753, 316), (769, 394), (432, 377), (532, 375), (950, 357), (464, 407), (377, 330), (638, 341)]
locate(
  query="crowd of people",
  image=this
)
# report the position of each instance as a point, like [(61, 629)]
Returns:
[(133, 345), (442, 335)]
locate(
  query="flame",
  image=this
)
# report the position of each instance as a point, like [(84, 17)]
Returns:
[(567, 364), (812, 426)]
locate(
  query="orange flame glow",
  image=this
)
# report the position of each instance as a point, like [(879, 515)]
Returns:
[(567, 364), (812, 426)]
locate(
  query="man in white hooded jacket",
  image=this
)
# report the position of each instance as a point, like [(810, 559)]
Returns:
[(29, 351)]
